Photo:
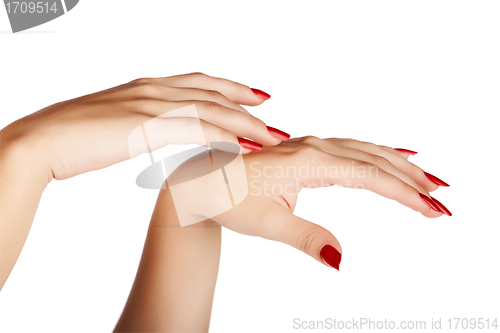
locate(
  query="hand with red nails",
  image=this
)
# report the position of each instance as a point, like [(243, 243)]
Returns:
[(275, 176), (94, 131), (91, 132)]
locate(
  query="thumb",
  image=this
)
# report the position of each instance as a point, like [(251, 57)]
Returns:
[(304, 235)]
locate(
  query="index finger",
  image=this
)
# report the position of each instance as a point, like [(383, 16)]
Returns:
[(236, 92)]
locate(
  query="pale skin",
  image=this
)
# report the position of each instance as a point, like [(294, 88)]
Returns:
[(267, 210), (90, 133), (175, 282)]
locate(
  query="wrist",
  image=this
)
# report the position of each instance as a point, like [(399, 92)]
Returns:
[(24, 152)]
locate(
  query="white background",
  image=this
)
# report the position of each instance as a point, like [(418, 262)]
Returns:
[(419, 75)]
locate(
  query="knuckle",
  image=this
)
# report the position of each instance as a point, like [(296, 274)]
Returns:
[(146, 89), (311, 139), (215, 95), (198, 75), (307, 151), (306, 239), (141, 80), (213, 107)]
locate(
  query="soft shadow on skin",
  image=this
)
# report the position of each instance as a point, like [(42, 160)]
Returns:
[(27, 32)]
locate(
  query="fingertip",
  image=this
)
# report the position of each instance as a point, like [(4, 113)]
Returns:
[(245, 151), (431, 214), (436, 180), (426, 183), (278, 134), (261, 94), (429, 202), (331, 256), (406, 151), (245, 95), (404, 155), (248, 144), (251, 96), (430, 187), (442, 207), (433, 209)]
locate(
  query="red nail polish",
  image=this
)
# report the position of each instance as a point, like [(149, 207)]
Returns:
[(436, 180), (331, 256), (411, 152), (430, 203), (261, 94), (441, 207), (249, 144), (278, 134)]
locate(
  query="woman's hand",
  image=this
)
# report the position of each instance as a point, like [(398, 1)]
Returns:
[(92, 132), (101, 129), (275, 176)]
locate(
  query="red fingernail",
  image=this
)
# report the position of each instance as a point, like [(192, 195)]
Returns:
[(411, 152), (435, 180), (430, 203), (331, 256), (249, 144), (278, 134), (441, 207), (261, 94)]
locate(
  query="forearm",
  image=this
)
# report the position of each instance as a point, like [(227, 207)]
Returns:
[(175, 282), (23, 177)]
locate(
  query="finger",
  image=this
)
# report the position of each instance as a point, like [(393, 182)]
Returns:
[(156, 133), (236, 92), (239, 123), (361, 154), (402, 153), (310, 238), (174, 94), (401, 163), (347, 172), (373, 178)]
